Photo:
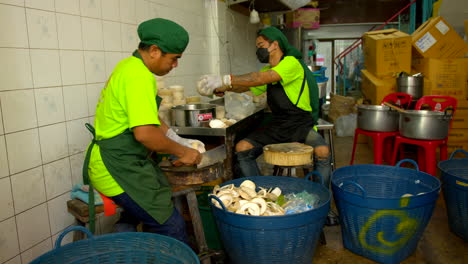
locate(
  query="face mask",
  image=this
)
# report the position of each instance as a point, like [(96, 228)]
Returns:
[(263, 55)]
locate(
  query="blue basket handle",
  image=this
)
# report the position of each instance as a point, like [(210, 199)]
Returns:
[(458, 150), (309, 175), (408, 160), (69, 229), (346, 183), (211, 196)]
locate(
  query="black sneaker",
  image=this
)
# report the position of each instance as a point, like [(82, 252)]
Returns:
[(332, 219)]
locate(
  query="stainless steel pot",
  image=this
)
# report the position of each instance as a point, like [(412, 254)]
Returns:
[(377, 118), (425, 125), (413, 85), (193, 115)]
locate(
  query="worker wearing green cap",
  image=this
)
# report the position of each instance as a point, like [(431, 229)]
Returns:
[(128, 129), (292, 95)]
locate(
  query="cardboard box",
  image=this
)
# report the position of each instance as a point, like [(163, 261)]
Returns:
[(458, 135), (304, 17), (451, 147), (387, 52), (466, 30), (445, 76), (375, 89), (437, 39), (460, 119)]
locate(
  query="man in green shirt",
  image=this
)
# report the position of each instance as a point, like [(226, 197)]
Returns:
[(292, 95), (128, 129)]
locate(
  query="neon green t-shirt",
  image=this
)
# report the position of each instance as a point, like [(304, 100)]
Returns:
[(292, 75), (127, 101)]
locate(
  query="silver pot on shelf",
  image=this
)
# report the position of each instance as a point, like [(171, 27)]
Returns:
[(425, 125), (377, 118), (193, 115)]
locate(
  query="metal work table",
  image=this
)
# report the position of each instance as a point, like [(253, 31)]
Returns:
[(245, 124), (229, 134), (323, 126)]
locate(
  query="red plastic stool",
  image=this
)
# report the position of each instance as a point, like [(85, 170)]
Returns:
[(427, 160), (383, 140)]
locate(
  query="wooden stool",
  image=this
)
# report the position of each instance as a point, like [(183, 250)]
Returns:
[(79, 210), (279, 170)]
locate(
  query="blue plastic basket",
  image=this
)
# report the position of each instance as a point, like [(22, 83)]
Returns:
[(136, 247), (455, 189), (377, 221), (274, 239)]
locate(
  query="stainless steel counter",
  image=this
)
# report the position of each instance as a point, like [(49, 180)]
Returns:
[(220, 132), (229, 135), (246, 124)]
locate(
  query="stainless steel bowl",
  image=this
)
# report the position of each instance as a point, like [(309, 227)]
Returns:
[(377, 118), (425, 125), (193, 115)]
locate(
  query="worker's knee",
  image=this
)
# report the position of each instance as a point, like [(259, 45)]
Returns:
[(243, 145), (322, 151)]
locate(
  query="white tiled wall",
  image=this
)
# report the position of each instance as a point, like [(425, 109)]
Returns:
[(55, 56)]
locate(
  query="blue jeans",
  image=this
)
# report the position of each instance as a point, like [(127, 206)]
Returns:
[(322, 164), (133, 214)]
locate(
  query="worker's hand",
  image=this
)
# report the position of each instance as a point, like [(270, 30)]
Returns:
[(187, 142), (195, 144), (208, 83), (191, 157)]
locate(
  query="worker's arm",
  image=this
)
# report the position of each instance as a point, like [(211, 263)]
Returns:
[(242, 83), (154, 138)]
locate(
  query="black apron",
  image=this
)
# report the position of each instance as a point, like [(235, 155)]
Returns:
[(289, 123)]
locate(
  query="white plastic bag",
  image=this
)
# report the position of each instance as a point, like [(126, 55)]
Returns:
[(345, 125), (238, 105)]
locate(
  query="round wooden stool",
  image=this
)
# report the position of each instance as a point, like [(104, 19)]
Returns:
[(288, 156)]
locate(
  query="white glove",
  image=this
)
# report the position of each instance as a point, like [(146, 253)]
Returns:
[(190, 143), (208, 83)]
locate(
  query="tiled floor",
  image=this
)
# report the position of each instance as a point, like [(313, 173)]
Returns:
[(437, 246)]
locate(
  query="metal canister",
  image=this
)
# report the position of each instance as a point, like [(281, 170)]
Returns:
[(412, 85)]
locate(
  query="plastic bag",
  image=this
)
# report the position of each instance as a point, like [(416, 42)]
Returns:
[(238, 105), (300, 202), (345, 125), (340, 106)]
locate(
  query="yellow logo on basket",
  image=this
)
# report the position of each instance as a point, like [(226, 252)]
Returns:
[(464, 184), (406, 226)]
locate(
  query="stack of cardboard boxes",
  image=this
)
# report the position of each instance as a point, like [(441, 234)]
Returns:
[(386, 53), (437, 51)]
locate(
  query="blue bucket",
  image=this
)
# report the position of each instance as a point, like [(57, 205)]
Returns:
[(124, 248), (379, 220), (281, 239), (455, 189)]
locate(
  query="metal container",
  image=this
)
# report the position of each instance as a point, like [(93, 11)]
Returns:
[(322, 88), (193, 115), (425, 125), (412, 85), (377, 118)]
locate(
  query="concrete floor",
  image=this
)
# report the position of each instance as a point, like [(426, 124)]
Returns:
[(437, 246)]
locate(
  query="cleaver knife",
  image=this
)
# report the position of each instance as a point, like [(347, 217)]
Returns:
[(209, 158), (212, 156)]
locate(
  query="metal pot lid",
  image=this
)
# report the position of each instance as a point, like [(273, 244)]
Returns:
[(424, 113), (201, 106), (374, 107)]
